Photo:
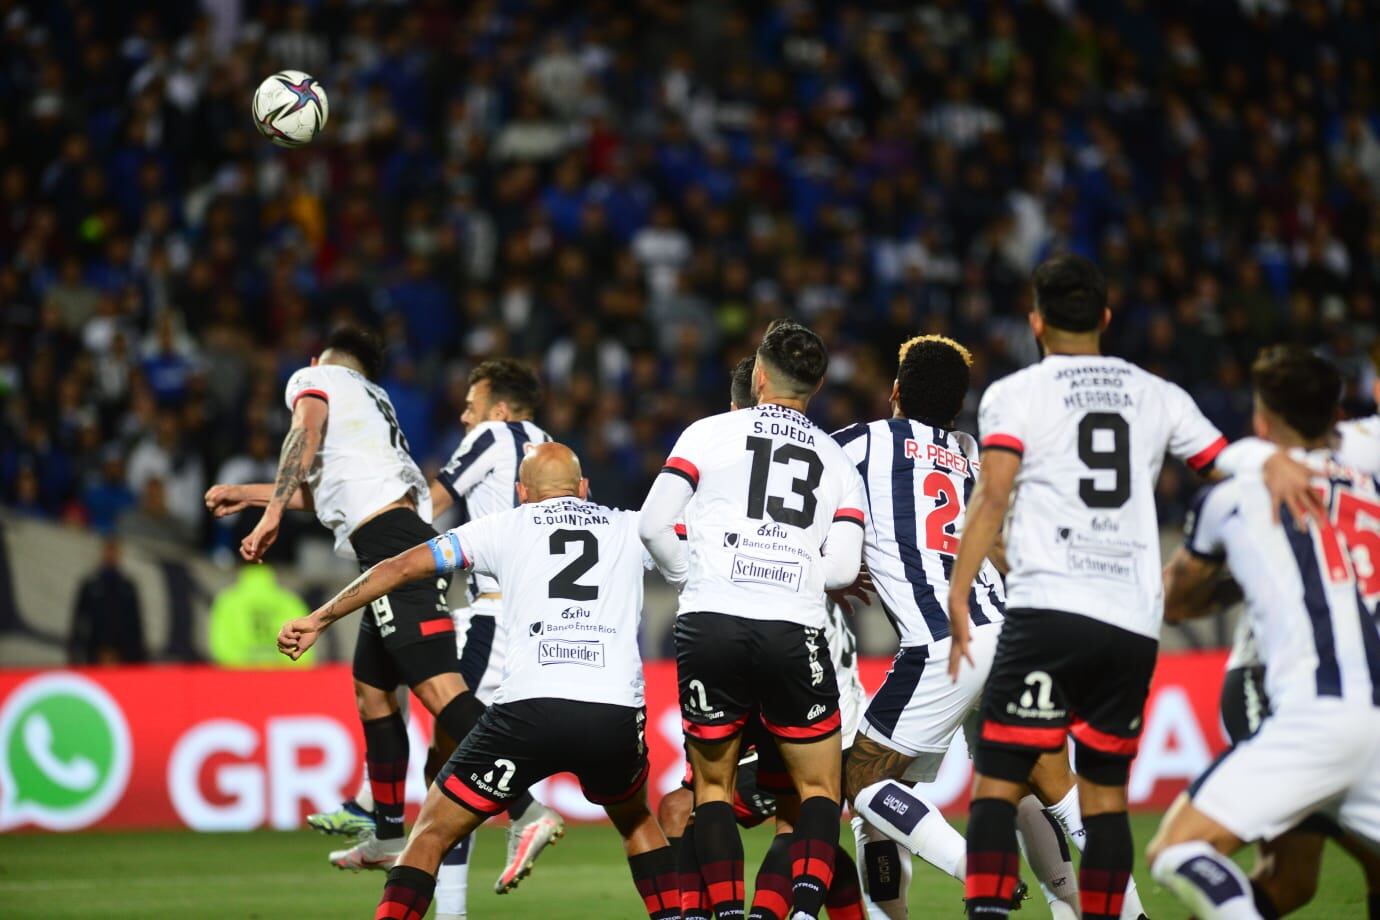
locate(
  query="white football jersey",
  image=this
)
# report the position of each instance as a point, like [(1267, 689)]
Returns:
[(768, 484), (1092, 431), (1310, 595), (363, 464), (571, 573), (1359, 443), (918, 479), (482, 476)]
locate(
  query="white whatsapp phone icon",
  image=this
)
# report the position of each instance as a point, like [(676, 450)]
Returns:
[(78, 773)]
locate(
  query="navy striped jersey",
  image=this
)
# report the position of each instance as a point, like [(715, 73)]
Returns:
[(482, 476), (918, 479), (1310, 595)]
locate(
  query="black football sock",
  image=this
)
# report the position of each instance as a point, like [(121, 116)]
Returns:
[(1373, 906), (674, 844), (385, 752), (654, 874), (720, 853), (993, 860), (694, 896), (406, 894), (1108, 855), (815, 839), (1265, 905), (771, 892), (844, 899)]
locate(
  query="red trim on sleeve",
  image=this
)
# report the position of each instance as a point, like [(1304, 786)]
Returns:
[(1204, 457), (1003, 442), (821, 729), (312, 391), (682, 532), (683, 467), (849, 514), (1103, 742), (434, 627), (1046, 739)]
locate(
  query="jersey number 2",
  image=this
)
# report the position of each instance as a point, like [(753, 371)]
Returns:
[(566, 583), (775, 506), (937, 485)]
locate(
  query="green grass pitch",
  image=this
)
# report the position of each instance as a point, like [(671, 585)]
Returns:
[(272, 875)]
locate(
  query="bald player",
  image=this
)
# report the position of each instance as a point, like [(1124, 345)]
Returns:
[(572, 697)]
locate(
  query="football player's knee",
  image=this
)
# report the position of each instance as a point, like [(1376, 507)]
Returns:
[(674, 811)]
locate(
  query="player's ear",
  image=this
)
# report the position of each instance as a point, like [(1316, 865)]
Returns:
[(498, 412), (583, 490), (1106, 319), (521, 493), (895, 393), (1037, 323), (316, 359)]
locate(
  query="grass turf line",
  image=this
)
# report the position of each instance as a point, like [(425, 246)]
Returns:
[(268, 874)]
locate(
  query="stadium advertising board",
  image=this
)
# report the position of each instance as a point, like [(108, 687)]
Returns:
[(209, 749)]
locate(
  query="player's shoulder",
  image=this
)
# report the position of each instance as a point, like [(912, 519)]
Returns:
[(850, 433), (712, 425), (1359, 443), (483, 435)]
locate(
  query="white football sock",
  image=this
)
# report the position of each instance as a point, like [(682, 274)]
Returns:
[(453, 879), (1042, 842), (1208, 883), (364, 797), (884, 868), (900, 813), (1070, 815)]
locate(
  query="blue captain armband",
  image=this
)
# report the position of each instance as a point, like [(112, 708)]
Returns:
[(446, 551)]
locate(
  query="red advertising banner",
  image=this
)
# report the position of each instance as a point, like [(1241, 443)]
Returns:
[(213, 749)]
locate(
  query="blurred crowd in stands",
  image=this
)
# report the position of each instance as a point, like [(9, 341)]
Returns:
[(624, 193)]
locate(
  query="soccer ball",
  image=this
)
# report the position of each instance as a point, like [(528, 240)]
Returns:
[(290, 108)]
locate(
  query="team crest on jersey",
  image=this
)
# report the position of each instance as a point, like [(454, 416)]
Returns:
[(730, 540)]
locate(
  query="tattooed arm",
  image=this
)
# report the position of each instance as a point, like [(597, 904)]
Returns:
[(294, 464), (300, 634)]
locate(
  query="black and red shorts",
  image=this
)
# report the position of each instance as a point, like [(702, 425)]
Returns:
[(732, 668), (406, 636), (1057, 674), (515, 745)]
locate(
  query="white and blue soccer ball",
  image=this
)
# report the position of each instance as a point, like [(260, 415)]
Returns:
[(290, 108)]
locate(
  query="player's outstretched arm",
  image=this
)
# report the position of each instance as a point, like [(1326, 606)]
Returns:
[(981, 527), (1191, 586), (294, 464), (225, 499), (300, 634)]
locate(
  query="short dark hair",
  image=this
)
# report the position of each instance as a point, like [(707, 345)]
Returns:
[(740, 392), (360, 344), (1070, 293), (1299, 386), (932, 379), (796, 352), (510, 381)]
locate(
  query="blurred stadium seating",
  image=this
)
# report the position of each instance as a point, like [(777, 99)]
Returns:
[(625, 193)]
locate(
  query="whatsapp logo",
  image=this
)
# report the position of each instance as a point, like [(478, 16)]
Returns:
[(64, 753)]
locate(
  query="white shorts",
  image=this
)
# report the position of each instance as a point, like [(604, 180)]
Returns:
[(918, 709), (1322, 756), (852, 702), (480, 639)]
